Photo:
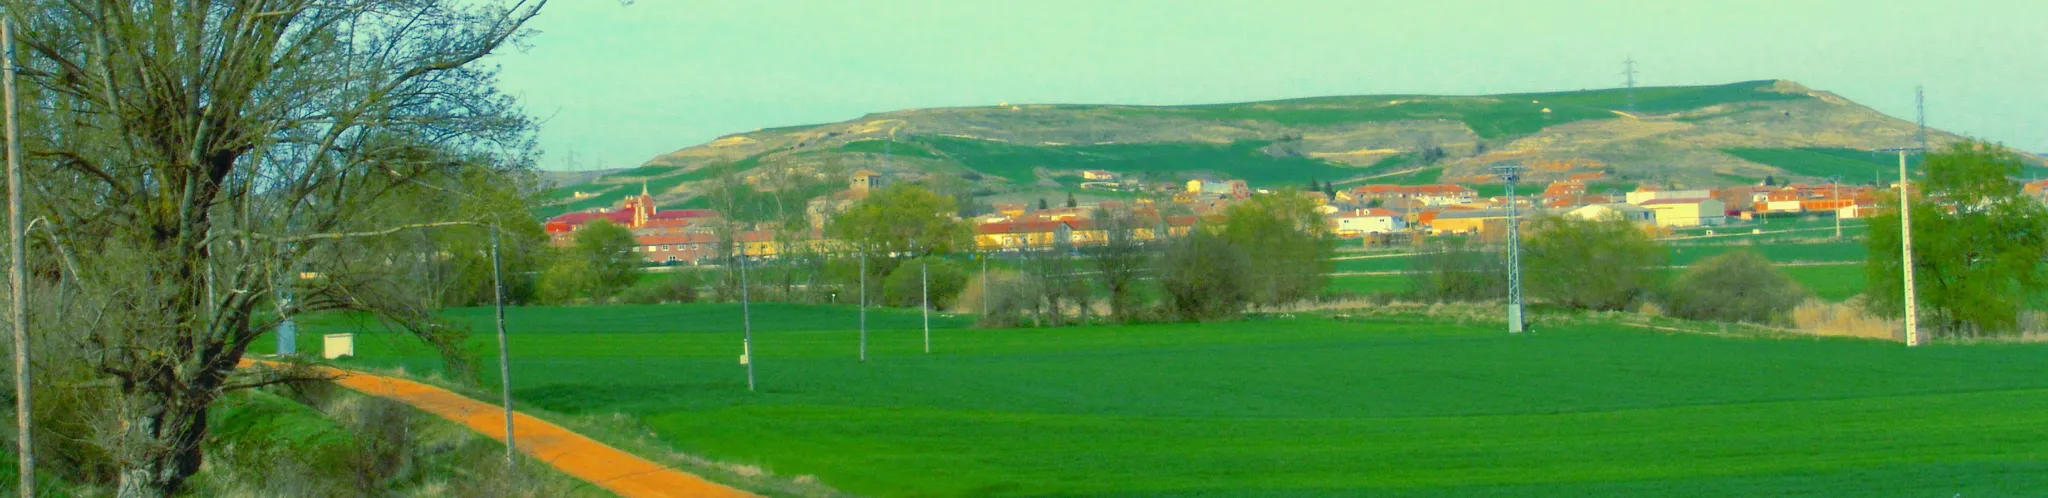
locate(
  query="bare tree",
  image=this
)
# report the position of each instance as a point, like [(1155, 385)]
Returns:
[(1122, 257), (190, 159)]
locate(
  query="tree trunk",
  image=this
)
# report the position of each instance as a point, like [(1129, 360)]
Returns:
[(162, 435)]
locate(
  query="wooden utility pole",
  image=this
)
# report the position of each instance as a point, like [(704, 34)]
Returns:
[(17, 272), (504, 354)]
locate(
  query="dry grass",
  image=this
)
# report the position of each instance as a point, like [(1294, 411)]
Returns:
[(1845, 319)]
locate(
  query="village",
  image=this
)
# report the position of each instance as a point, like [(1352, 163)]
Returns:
[(1374, 215)]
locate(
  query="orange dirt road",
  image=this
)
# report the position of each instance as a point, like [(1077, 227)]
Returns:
[(621, 472)]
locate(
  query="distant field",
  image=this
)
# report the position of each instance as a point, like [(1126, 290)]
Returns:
[(1491, 117), (891, 147), (1289, 407), (1241, 160), (1853, 166)]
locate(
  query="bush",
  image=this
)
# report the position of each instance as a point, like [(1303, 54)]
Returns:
[(678, 288), (1590, 264), (1012, 301), (1739, 286), (1202, 277), (905, 287), (1452, 270)]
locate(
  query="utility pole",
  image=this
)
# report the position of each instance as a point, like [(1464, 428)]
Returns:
[(1512, 173), (984, 285), (1836, 182), (504, 355), (746, 320), (924, 273), (17, 273), (1906, 253), (863, 306)]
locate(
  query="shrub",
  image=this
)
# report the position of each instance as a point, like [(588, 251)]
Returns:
[(1012, 301), (905, 286), (1590, 264), (1738, 286), (1452, 270), (1202, 277), (678, 288)]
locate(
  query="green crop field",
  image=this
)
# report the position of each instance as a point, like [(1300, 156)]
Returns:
[(890, 147), (1854, 166), (1305, 406), (1240, 160)]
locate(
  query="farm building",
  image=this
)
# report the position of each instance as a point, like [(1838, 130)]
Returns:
[(1704, 211)]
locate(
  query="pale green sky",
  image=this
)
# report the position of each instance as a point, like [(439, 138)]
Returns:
[(617, 85)]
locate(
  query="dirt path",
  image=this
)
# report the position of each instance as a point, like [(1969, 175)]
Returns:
[(623, 473)]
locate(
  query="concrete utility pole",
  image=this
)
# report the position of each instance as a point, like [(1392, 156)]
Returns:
[(1512, 173), (863, 306), (1906, 254), (984, 285), (746, 320), (1836, 182), (17, 273), (504, 355), (924, 273)]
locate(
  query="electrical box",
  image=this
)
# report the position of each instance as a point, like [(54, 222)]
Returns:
[(338, 345)]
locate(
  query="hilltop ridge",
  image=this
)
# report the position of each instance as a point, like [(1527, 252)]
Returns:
[(1673, 136)]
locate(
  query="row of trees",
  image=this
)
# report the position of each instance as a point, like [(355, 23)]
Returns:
[(1980, 243), (1606, 265)]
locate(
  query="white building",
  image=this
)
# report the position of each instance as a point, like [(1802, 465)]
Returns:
[(1688, 212), (1641, 196), (1615, 210), (1368, 221)]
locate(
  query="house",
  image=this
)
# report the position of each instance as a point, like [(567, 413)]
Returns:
[(1377, 220), (1615, 210), (1642, 195), (1207, 187), (1097, 175), (637, 213), (1466, 222), (865, 180), (1428, 195), (1701, 211)]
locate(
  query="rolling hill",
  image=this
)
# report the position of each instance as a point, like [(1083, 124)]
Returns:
[(1673, 136)]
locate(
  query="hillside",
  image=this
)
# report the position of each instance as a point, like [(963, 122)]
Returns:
[(1675, 136)]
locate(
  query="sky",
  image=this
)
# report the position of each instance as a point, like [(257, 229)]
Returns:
[(616, 83)]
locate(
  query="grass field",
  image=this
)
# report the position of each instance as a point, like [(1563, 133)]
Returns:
[(1241, 160), (1854, 166), (1491, 117), (1307, 406)]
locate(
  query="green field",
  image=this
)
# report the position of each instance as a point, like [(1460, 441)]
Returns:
[(1307, 406), (1854, 166), (1241, 160), (890, 147), (1491, 117)]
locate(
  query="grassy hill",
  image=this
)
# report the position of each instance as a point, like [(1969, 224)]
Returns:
[(1300, 406), (1686, 136)]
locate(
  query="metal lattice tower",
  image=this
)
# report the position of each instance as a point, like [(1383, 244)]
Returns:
[(1920, 115), (1629, 71), (1511, 174)]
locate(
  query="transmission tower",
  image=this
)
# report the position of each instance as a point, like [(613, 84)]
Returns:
[(1511, 174), (1628, 70), (1920, 115)]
